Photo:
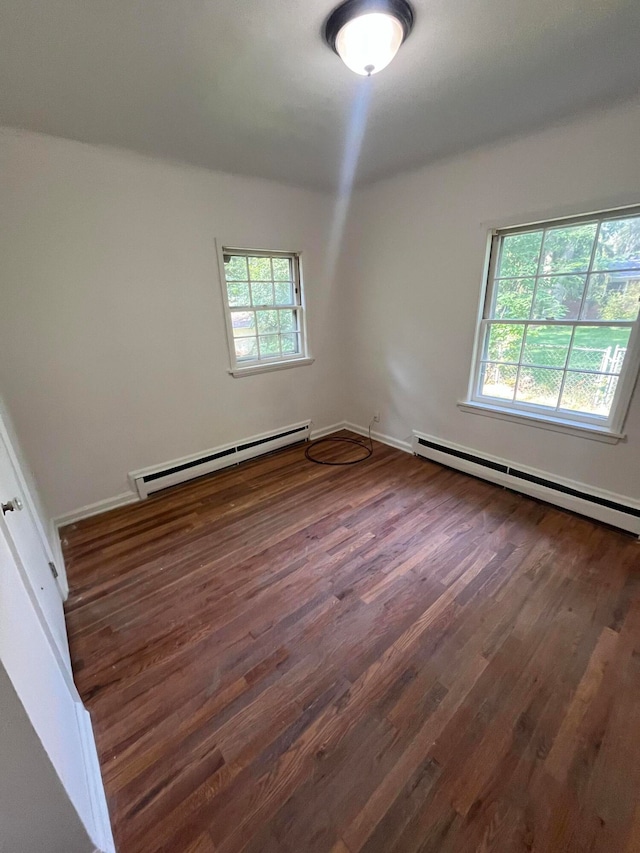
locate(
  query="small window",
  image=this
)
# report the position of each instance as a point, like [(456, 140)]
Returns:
[(558, 338), (264, 308)]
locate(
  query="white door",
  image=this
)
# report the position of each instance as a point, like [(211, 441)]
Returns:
[(29, 551), (62, 724)]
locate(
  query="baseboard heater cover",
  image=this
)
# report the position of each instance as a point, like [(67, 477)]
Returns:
[(603, 506), (159, 477)]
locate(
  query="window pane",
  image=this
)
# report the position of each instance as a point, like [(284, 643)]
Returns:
[(519, 255), (284, 293), (260, 269), (244, 323), (235, 268), (290, 343), (238, 293), (547, 346), (549, 288), (568, 249), (282, 269), (263, 306), (288, 321), (589, 393), (600, 348), (618, 245), (267, 322), (612, 296), (262, 293), (538, 385), (246, 348), (558, 297), (504, 342), (498, 380), (513, 298), (269, 345)]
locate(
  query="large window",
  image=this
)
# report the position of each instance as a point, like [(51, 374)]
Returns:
[(264, 308), (558, 339)]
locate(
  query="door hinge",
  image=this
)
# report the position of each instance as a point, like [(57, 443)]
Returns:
[(54, 571)]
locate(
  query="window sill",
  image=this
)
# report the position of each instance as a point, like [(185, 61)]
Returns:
[(575, 428), (252, 369)]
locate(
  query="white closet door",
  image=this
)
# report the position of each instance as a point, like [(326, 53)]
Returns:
[(50, 699), (29, 552)]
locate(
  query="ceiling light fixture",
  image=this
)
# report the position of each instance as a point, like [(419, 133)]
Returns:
[(367, 34)]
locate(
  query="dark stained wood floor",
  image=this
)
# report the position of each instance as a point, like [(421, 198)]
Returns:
[(391, 656)]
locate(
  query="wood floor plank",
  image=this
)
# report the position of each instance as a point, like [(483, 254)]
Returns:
[(391, 656)]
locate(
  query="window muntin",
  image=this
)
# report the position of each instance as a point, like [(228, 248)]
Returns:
[(560, 319), (264, 306)]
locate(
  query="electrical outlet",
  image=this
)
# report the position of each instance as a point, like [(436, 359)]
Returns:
[(376, 417)]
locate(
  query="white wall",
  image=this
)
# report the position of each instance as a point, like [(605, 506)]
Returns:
[(35, 811), (113, 353), (416, 275)]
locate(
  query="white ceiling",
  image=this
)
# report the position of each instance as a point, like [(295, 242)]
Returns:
[(248, 86)]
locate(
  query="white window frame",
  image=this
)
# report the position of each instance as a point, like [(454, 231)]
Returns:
[(248, 367), (609, 429)]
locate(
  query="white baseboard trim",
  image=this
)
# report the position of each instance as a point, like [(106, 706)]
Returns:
[(618, 510), (398, 443), (101, 833), (95, 509), (320, 433)]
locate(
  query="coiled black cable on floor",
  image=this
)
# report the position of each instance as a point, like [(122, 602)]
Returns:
[(344, 440)]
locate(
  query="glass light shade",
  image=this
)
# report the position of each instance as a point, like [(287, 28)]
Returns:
[(368, 43)]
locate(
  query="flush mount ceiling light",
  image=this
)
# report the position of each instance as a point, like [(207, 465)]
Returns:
[(367, 34)]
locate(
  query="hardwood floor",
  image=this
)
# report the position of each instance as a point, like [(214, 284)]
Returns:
[(387, 657)]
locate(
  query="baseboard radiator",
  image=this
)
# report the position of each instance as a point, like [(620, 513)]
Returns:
[(604, 506), (154, 479)]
